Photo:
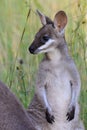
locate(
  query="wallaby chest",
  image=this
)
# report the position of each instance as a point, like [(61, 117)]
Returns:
[(57, 74), (57, 81)]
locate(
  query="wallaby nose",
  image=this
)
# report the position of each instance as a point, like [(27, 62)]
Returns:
[(31, 49)]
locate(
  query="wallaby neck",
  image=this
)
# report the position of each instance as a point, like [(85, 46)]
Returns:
[(58, 53)]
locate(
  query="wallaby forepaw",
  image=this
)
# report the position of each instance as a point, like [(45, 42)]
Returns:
[(50, 118), (71, 113)]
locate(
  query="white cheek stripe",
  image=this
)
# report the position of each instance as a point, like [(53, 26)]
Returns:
[(46, 44)]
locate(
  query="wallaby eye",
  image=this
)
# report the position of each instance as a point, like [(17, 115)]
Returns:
[(45, 38)]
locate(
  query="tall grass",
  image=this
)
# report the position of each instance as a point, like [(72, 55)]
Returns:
[(18, 25)]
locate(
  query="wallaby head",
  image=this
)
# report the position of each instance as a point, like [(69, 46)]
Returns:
[(51, 35)]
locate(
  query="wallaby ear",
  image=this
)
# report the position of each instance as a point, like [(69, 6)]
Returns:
[(42, 17), (60, 20)]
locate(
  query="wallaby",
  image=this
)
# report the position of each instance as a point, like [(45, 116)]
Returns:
[(12, 115), (55, 104)]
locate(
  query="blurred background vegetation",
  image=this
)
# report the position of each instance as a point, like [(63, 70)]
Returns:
[(18, 25)]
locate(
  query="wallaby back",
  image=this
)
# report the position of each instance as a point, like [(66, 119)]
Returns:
[(12, 114)]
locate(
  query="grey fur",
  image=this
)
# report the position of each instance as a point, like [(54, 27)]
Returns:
[(12, 114)]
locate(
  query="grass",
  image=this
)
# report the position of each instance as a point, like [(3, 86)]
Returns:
[(17, 30)]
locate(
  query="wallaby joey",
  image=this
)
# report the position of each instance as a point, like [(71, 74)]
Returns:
[(55, 104)]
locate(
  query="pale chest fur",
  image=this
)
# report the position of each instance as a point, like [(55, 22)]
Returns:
[(58, 90)]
